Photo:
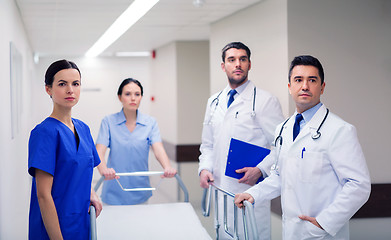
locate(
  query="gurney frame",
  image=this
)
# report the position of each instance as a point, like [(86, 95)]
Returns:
[(249, 223), (182, 186)]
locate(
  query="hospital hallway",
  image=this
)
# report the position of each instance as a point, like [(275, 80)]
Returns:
[(175, 50)]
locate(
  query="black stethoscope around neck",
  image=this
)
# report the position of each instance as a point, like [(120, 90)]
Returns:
[(314, 136)]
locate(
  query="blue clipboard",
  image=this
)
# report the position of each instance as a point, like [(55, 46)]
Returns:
[(242, 154)]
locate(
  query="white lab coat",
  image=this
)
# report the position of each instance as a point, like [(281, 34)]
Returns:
[(222, 124), (331, 182)]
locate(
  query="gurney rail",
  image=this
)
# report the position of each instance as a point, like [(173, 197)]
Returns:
[(249, 223), (93, 223), (145, 173)]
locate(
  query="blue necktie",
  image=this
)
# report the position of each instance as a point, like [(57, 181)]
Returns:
[(231, 97), (296, 127)]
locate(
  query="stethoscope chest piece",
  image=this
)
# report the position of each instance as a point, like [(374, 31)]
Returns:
[(316, 135), (274, 167)]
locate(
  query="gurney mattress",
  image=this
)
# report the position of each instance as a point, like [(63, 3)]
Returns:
[(155, 221)]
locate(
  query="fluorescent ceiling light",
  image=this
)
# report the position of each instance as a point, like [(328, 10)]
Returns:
[(132, 54), (132, 14)]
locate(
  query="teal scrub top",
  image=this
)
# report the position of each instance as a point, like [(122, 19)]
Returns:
[(128, 153), (54, 149)]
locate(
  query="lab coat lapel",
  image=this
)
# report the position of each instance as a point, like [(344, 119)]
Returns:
[(222, 107), (311, 127), (288, 133), (317, 120), (241, 98), (303, 132)]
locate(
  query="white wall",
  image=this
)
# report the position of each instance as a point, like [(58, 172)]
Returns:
[(180, 83), (263, 28), (164, 89), (352, 40), (14, 180), (193, 89)]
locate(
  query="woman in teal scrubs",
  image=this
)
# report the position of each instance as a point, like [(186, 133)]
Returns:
[(129, 134), (62, 156)]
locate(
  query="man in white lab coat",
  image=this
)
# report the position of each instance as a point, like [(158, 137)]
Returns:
[(321, 174), (252, 116)]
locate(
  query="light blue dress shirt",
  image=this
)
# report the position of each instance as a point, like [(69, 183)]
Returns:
[(128, 153), (239, 89), (308, 114)]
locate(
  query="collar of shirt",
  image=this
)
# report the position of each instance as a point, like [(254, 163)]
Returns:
[(120, 118), (239, 89), (308, 114)]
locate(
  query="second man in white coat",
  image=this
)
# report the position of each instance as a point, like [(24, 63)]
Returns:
[(251, 116), (320, 171)]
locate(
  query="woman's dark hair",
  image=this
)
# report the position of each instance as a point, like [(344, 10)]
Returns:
[(126, 82), (307, 60), (56, 67)]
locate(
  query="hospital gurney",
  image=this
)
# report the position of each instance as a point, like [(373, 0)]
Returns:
[(249, 223), (153, 221)]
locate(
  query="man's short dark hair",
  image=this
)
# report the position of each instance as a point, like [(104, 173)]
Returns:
[(307, 60), (237, 45)]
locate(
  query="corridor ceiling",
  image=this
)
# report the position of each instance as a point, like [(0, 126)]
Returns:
[(71, 27)]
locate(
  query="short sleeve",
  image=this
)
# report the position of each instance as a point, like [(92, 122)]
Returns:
[(94, 152), (42, 151), (155, 133), (96, 157), (104, 133)]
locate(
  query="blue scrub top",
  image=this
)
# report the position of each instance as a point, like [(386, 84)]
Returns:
[(128, 153), (53, 148)]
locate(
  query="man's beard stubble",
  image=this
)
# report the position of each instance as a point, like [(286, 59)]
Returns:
[(239, 82)]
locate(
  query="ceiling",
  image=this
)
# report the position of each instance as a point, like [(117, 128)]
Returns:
[(71, 27)]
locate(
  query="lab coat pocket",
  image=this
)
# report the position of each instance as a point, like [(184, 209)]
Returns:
[(313, 232), (247, 128), (310, 166)]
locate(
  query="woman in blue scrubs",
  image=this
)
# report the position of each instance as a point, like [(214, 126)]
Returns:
[(62, 156), (129, 134)]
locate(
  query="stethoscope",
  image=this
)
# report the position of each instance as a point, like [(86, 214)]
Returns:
[(314, 136), (216, 102)]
